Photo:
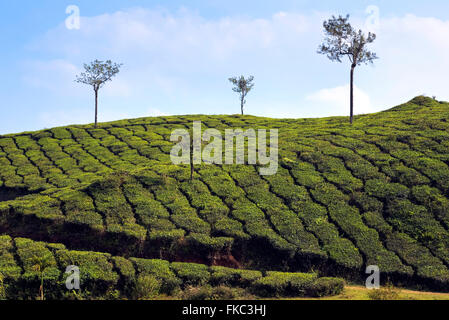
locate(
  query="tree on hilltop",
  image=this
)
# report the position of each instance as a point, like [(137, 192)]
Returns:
[(343, 40), (242, 86), (96, 74)]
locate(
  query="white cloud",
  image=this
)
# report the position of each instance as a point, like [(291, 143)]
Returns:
[(183, 59), (52, 75), (171, 60), (181, 37), (413, 59), (335, 101)]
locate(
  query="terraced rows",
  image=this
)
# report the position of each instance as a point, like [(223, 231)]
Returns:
[(113, 277), (344, 197)]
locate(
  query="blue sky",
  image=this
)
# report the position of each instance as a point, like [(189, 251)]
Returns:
[(178, 55)]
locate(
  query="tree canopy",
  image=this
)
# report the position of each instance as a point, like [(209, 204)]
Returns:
[(341, 39), (242, 86), (97, 73)]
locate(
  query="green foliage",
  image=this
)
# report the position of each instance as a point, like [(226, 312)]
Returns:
[(278, 284), (432, 199), (9, 268), (386, 293), (147, 287), (2, 287), (127, 273), (40, 267), (161, 270), (324, 287), (111, 277), (210, 208), (209, 293), (191, 274), (242, 86), (343, 197), (35, 258), (343, 40), (385, 190), (366, 239), (410, 250), (416, 221), (97, 73), (96, 271), (230, 228), (233, 277)]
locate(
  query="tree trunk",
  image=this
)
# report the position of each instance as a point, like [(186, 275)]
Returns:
[(242, 103), (96, 108), (41, 288), (351, 117), (192, 168)]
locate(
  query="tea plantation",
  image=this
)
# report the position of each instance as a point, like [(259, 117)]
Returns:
[(344, 197)]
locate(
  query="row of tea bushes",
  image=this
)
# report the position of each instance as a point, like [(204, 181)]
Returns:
[(344, 196), (25, 263), (118, 215)]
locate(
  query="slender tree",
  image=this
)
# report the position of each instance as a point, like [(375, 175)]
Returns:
[(343, 40), (96, 74), (242, 86), (40, 265)]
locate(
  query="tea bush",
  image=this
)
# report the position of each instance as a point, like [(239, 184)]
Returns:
[(343, 196), (191, 274)]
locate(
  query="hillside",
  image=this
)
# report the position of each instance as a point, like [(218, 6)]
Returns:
[(344, 197)]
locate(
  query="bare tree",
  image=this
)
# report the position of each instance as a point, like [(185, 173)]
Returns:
[(243, 87), (343, 40), (96, 74)]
